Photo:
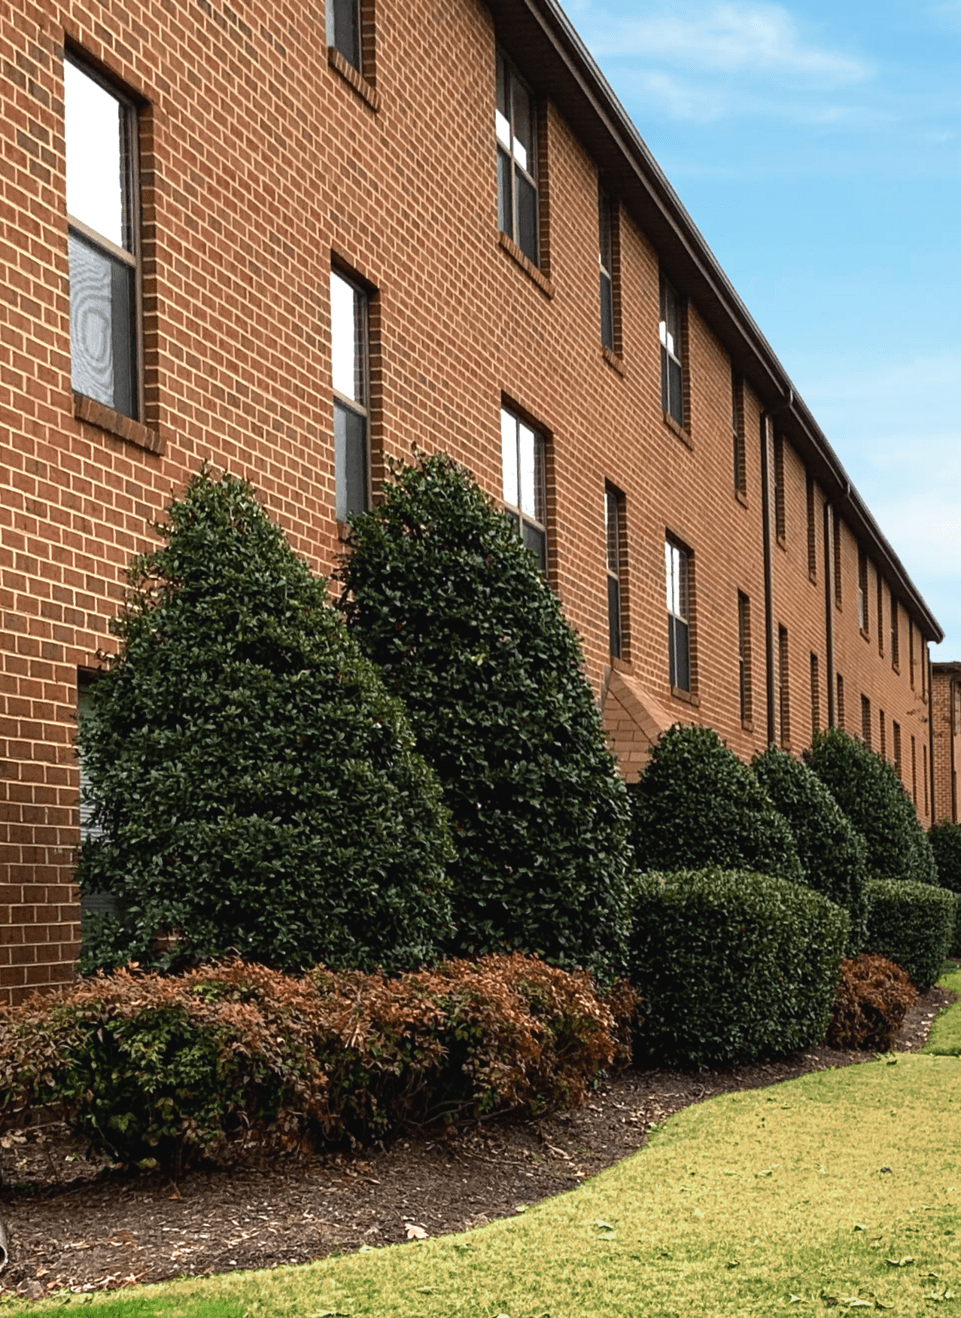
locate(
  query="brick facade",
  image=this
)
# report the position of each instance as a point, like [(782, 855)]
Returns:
[(946, 724), (264, 160)]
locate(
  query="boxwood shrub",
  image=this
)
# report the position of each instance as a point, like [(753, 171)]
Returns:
[(253, 786), (831, 851), (869, 791), (732, 966), (442, 594), (911, 924), (697, 805), (946, 845)]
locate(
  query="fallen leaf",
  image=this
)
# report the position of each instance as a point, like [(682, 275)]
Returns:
[(415, 1232), (767, 1172), (603, 1226), (900, 1263)]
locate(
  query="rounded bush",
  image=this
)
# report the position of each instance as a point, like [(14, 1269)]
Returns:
[(697, 805), (874, 996), (872, 796), (831, 851), (442, 595), (912, 924), (946, 845), (732, 966), (254, 788)]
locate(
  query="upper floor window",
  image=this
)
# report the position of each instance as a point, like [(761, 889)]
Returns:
[(780, 502), (672, 372), (862, 591), (343, 29), (516, 123), (677, 570), (895, 635), (737, 433), (605, 225), (812, 528), (100, 131), (525, 493), (350, 376)]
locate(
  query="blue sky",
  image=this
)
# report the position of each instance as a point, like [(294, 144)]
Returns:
[(817, 147)]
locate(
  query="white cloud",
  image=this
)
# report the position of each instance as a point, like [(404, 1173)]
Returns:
[(756, 38)]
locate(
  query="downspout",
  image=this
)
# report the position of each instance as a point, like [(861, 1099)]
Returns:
[(784, 406)]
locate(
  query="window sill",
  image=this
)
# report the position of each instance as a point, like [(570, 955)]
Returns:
[(613, 359), (741, 497), (683, 435), (782, 542), (620, 665), (865, 634), (365, 90), (812, 576), (896, 668), (688, 697), (526, 264), (747, 724), (115, 423)]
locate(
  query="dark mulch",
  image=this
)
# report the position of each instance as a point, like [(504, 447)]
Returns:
[(73, 1223)]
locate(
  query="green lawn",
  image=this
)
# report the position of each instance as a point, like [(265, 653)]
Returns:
[(840, 1189), (945, 1038)]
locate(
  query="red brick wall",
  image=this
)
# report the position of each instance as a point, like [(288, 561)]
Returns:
[(261, 163)]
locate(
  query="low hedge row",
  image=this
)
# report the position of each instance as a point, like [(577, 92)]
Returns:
[(911, 924), (158, 1071), (732, 966)]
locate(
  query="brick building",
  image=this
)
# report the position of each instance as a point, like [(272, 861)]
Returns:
[(946, 740), (234, 232)]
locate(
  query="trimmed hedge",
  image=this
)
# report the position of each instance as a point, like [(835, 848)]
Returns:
[(254, 788), (161, 1071), (831, 851), (697, 805), (946, 845), (869, 791), (441, 593), (911, 924), (732, 966), (874, 996)]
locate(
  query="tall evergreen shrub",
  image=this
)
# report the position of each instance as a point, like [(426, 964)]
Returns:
[(831, 851), (869, 791), (696, 805), (443, 596), (946, 844), (256, 788)]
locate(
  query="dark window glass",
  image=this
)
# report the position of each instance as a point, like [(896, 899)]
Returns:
[(516, 127), (784, 693), (677, 570), (343, 29), (737, 433), (672, 375), (815, 695), (612, 519), (606, 260), (100, 132), (744, 655), (780, 512), (349, 374)]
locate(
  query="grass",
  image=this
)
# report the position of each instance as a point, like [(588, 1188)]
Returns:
[(839, 1189), (945, 1037)]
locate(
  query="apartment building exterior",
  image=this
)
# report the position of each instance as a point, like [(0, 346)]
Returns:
[(946, 740), (291, 244)]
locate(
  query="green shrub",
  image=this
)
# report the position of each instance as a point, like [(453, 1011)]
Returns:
[(696, 805), (256, 788), (874, 996), (872, 796), (442, 595), (161, 1070), (732, 966), (946, 844), (831, 851), (911, 924)]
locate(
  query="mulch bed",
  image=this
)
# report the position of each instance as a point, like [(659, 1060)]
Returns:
[(74, 1224)]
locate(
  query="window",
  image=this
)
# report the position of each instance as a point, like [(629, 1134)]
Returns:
[(744, 656), (895, 635), (677, 565), (884, 739), (100, 129), (516, 125), (815, 695), (522, 454), (784, 695), (911, 650), (880, 626), (605, 225), (349, 356), (837, 561), (924, 774), (613, 508), (672, 373), (862, 591), (780, 512), (344, 31), (840, 702), (896, 738), (866, 721), (737, 434), (812, 529), (914, 771)]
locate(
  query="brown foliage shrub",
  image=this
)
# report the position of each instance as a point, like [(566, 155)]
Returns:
[(873, 998), (156, 1071)]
